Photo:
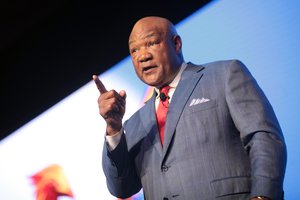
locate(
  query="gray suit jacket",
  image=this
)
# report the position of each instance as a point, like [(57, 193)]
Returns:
[(222, 141)]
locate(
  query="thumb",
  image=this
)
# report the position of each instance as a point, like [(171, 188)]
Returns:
[(122, 93)]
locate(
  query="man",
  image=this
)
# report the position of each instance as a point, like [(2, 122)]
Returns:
[(221, 137)]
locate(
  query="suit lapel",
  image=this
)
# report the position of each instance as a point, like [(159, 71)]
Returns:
[(148, 119), (189, 79)]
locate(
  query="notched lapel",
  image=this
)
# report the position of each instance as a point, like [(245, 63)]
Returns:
[(189, 79), (150, 124)]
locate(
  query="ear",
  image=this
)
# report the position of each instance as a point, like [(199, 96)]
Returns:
[(178, 43)]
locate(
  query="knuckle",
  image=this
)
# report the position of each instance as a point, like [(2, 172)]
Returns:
[(112, 92), (110, 106)]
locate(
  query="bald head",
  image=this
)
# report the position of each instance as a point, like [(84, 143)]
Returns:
[(160, 25)]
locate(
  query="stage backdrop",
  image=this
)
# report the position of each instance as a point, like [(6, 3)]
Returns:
[(59, 152)]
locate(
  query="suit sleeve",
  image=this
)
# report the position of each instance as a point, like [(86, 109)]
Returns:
[(259, 130), (118, 166)]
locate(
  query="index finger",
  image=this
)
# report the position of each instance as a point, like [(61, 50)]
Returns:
[(99, 84)]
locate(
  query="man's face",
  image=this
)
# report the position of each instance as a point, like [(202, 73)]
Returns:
[(153, 55)]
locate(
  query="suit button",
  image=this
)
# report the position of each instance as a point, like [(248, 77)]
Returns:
[(164, 168), (165, 198)]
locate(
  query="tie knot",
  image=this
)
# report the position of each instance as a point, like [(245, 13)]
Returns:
[(165, 89)]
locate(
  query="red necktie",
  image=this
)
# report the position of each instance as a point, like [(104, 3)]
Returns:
[(161, 112)]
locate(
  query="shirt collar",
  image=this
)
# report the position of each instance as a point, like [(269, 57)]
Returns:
[(176, 80)]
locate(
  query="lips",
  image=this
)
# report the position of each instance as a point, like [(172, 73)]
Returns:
[(148, 68)]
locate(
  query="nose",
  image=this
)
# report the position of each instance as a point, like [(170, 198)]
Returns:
[(144, 55)]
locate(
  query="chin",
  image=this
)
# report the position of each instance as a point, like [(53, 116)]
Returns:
[(152, 84)]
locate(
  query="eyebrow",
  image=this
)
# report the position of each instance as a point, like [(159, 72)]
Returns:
[(147, 36)]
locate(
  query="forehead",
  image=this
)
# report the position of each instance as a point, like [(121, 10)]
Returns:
[(145, 31)]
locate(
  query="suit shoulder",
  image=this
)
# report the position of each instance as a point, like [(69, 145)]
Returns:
[(224, 63), (222, 68)]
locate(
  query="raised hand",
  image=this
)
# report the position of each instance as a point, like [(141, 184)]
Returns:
[(111, 107)]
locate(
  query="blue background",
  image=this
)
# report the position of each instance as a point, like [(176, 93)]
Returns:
[(262, 34)]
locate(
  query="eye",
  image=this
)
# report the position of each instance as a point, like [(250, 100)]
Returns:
[(152, 43), (133, 50)]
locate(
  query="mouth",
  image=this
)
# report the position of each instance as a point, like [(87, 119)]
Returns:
[(148, 68)]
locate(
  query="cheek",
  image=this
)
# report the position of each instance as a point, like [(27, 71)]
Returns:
[(137, 70)]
